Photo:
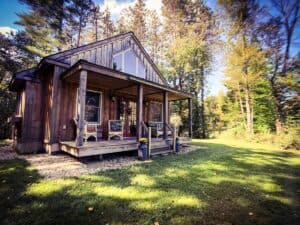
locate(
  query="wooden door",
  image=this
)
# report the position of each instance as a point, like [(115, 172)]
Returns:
[(127, 113)]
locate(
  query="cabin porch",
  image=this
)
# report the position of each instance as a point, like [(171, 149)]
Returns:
[(119, 87), (159, 146)]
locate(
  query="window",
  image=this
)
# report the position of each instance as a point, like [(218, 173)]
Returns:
[(128, 62), (141, 70), (117, 62), (93, 107)]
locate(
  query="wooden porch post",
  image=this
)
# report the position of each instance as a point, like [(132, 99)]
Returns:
[(190, 118), (139, 111), (81, 99), (165, 114)]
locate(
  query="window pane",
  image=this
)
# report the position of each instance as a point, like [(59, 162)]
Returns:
[(130, 62), (141, 69), (92, 107), (117, 62)]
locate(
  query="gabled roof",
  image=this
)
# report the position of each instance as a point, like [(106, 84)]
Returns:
[(69, 52)]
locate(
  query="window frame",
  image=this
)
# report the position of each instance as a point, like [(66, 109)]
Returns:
[(100, 105), (137, 62)]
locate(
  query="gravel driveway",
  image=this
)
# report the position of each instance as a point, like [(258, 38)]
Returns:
[(63, 165)]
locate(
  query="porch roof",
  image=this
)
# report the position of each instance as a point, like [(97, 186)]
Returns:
[(120, 82)]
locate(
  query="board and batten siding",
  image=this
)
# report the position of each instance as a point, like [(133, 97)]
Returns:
[(102, 54)]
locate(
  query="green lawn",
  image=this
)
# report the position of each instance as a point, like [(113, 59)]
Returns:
[(231, 182)]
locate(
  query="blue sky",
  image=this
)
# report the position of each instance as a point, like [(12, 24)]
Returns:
[(9, 8)]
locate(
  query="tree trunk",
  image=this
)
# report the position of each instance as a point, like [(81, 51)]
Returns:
[(278, 110), (202, 116), (249, 124), (287, 52), (241, 103)]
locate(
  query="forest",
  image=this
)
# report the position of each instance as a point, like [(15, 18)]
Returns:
[(254, 41)]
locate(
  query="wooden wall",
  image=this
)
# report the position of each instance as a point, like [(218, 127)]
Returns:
[(102, 54), (29, 131)]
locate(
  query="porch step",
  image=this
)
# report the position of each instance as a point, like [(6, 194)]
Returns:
[(160, 148)]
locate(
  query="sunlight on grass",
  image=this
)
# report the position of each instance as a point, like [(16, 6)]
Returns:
[(172, 172), (49, 187), (208, 186), (142, 180)]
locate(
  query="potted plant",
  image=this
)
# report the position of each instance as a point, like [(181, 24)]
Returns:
[(176, 122), (143, 149)]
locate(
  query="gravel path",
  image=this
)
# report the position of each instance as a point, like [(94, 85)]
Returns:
[(63, 165)]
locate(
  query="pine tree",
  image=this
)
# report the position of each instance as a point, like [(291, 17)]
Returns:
[(78, 13), (43, 24), (94, 25), (154, 39), (108, 27), (134, 19)]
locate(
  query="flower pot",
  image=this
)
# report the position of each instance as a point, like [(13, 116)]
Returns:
[(143, 151), (177, 145)]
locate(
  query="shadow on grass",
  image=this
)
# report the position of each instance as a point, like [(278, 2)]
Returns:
[(220, 185)]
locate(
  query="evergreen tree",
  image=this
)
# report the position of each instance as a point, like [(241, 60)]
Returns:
[(154, 39), (134, 19), (94, 25), (78, 14), (108, 27)]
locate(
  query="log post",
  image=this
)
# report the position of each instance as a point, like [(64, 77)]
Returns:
[(165, 114), (174, 139), (139, 111), (81, 99), (190, 118), (149, 142)]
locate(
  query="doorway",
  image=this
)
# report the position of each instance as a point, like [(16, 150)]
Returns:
[(127, 114)]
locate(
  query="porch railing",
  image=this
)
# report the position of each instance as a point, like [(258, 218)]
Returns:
[(146, 132), (173, 134)]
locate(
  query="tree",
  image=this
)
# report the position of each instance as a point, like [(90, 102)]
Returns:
[(290, 16), (154, 40), (94, 20), (134, 19), (108, 26), (13, 57), (188, 26), (78, 13), (44, 25), (245, 65)]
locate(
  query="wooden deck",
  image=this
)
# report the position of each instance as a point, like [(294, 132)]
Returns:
[(158, 146)]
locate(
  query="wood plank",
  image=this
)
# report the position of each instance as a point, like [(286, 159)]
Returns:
[(165, 114), (139, 111), (190, 117), (81, 98)]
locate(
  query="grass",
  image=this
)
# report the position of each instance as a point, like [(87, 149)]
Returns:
[(231, 182)]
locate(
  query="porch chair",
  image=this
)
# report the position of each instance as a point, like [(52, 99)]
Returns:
[(115, 129), (157, 129), (90, 130)]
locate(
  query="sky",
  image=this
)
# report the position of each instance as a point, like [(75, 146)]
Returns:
[(10, 8)]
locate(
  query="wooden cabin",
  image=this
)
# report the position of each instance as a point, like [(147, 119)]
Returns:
[(76, 100)]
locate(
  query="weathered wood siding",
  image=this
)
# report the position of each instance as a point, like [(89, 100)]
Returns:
[(102, 54), (29, 109)]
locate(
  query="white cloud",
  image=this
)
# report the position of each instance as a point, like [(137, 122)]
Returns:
[(116, 7), (7, 30)]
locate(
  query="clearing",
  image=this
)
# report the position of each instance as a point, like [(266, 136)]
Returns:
[(230, 182)]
